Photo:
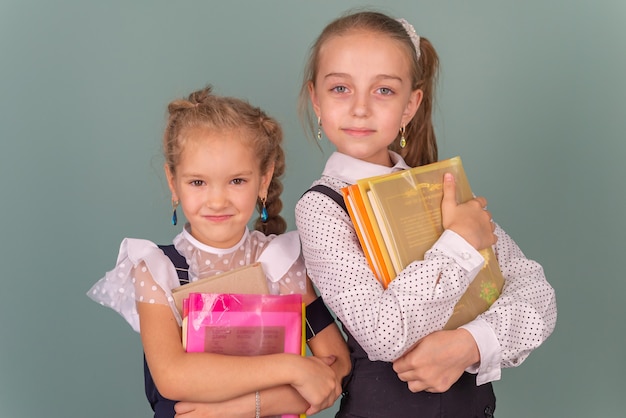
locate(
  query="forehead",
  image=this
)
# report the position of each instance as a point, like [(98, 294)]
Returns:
[(208, 146), (203, 136), (365, 49)]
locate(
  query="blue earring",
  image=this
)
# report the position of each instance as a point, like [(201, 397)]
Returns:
[(174, 216), (264, 215)]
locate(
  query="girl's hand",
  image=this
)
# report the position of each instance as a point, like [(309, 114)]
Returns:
[(316, 382), (437, 361), (471, 219)]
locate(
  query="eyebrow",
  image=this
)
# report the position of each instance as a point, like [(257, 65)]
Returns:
[(202, 175), (378, 77)]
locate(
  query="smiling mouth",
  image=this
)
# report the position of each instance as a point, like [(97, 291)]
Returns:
[(217, 218), (358, 132)]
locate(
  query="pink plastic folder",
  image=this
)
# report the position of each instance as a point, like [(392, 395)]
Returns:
[(244, 325)]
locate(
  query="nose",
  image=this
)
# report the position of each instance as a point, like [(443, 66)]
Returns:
[(215, 198), (360, 105)]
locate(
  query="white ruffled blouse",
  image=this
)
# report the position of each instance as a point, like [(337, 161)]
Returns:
[(120, 290)]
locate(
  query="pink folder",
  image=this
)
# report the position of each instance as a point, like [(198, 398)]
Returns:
[(244, 324)]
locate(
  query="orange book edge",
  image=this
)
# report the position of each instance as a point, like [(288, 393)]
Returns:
[(368, 234), (364, 188)]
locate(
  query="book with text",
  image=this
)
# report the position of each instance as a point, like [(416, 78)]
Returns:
[(244, 324), (397, 217)]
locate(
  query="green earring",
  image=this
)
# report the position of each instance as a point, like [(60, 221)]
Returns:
[(319, 128), (402, 138)]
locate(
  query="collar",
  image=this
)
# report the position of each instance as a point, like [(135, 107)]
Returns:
[(186, 235), (350, 169)]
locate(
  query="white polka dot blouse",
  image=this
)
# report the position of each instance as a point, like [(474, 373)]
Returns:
[(143, 273), (419, 301)]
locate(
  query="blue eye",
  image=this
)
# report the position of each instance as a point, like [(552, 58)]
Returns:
[(340, 89), (385, 91)]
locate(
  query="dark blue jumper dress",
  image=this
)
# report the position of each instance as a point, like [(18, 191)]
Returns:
[(374, 390)]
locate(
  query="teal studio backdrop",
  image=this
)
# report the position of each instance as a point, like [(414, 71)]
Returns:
[(532, 96)]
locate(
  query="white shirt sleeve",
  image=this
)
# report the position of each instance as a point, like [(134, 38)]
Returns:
[(524, 315), (142, 273)]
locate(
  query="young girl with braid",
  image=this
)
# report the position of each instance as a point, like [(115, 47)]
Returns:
[(370, 84), (223, 160)]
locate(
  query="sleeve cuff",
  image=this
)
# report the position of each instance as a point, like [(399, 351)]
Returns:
[(453, 245), (488, 370)]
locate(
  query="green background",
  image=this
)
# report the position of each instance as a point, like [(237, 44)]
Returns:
[(532, 96)]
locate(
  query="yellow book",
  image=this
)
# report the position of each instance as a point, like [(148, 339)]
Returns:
[(406, 208), (409, 207)]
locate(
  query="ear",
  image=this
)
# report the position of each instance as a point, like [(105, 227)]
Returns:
[(415, 99), (170, 181), (266, 179), (313, 96)]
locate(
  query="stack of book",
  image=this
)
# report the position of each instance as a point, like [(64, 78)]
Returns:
[(233, 314), (397, 218)]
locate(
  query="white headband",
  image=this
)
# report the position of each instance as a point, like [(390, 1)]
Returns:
[(410, 30)]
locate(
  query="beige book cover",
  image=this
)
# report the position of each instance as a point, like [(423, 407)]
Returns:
[(408, 211), (248, 279)]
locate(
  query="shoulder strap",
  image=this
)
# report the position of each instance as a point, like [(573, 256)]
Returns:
[(162, 406), (318, 315), (182, 268), (333, 194)]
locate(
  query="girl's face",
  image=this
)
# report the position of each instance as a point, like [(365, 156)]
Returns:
[(363, 93), (217, 182)]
